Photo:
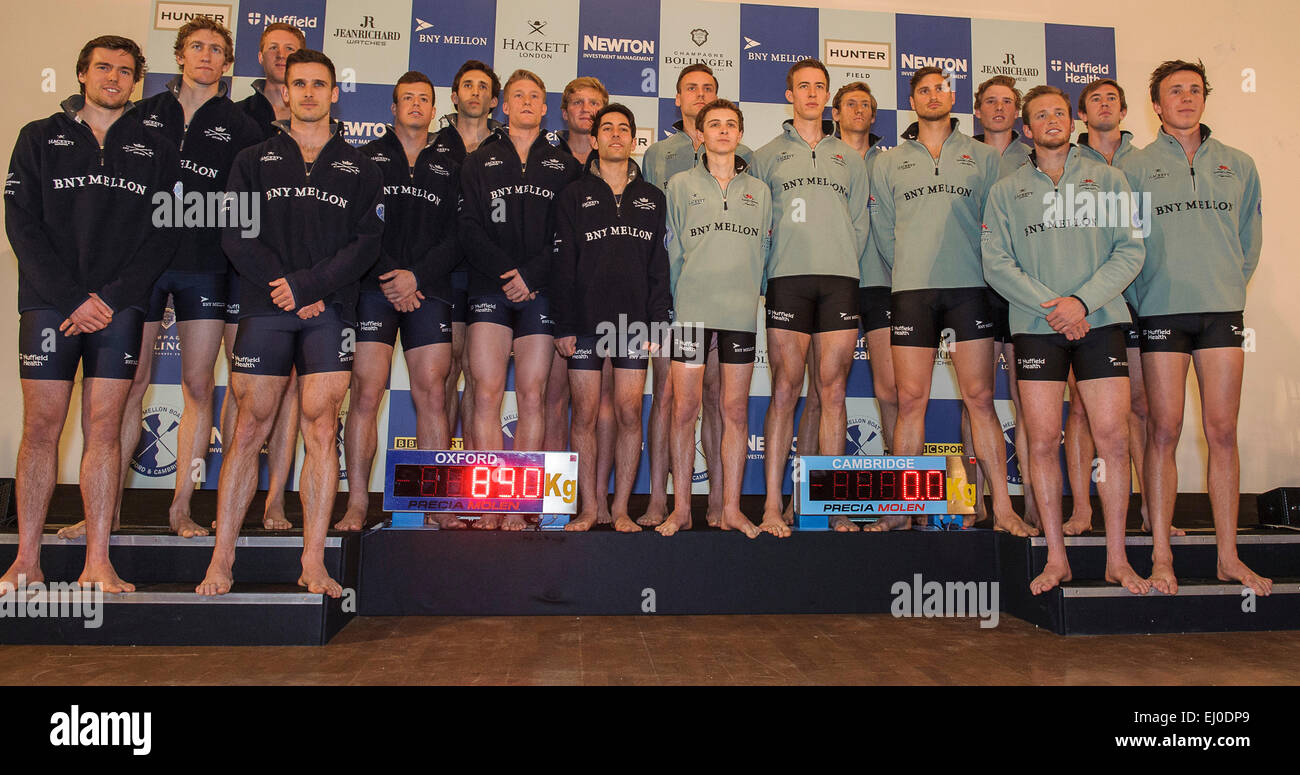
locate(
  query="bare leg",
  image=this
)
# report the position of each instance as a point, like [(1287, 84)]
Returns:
[(711, 437), (320, 399), (882, 381), (257, 398), (533, 358), (973, 361), (833, 355), (370, 370), (102, 401), (1008, 353), (968, 447), (428, 366), (452, 396), (688, 385), (489, 356), (556, 434), (200, 344), (735, 436), (913, 371), (629, 387), (584, 389), (661, 423), (809, 421), (1079, 455), (281, 448), (1137, 429), (1166, 379), (606, 430), (1218, 374), (45, 408), (1108, 400), (1042, 400), (788, 355)]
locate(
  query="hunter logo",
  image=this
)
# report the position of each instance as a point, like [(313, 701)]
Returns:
[(218, 133), (699, 36), (346, 166), (139, 149)]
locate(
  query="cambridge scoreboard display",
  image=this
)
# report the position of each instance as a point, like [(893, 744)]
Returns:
[(636, 48)]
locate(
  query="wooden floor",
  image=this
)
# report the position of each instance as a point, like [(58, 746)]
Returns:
[(664, 650)]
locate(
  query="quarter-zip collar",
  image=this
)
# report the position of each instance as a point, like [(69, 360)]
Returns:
[(1071, 158), (1015, 138), (174, 86)]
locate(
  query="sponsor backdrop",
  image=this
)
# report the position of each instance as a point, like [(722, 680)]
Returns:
[(636, 49)]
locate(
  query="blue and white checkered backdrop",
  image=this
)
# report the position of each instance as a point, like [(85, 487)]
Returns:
[(636, 48)]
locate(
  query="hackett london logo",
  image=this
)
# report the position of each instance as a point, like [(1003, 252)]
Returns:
[(534, 43), (366, 34)]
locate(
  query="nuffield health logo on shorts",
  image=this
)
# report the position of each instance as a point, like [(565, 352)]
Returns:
[(155, 455), (960, 599), (90, 728)]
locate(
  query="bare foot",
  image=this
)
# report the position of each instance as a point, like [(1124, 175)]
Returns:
[(582, 522), (603, 517), (488, 522), (1077, 526), (788, 514), (1031, 519), (675, 521), (218, 579), (1051, 576), (107, 577), (514, 522), (842, 524), (273, 518), (624, 524), (714, 517), (1174, 530), (30, 575), (1014, 525), (445, 521), (969, 520), (654, 515), (353, 519), (1163, 578), (73, 532), (735, 519), (889, 522), (1124, 575), (1236, 570), (775, 524), (318, 581)]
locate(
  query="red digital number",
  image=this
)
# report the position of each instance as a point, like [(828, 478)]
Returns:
[(934, 485), (532, 482), (840, 486), (865, 480), (887, 485), (911, 485), (481, 479), (505, 481)]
